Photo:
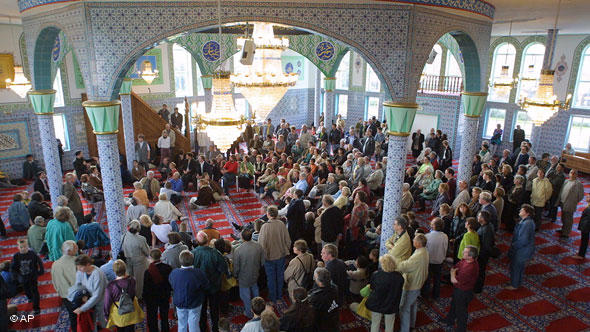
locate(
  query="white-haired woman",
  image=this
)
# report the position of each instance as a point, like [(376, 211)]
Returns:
[(136, 252)]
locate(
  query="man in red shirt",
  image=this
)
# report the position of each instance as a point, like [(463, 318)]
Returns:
[(229, 171), (463, 276)]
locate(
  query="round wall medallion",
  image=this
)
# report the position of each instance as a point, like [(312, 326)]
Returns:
[(211, 51), (325, 51)]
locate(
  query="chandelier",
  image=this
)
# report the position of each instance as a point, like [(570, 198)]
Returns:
[(21, 84), (147, 72), (264, 83), (223, 125)]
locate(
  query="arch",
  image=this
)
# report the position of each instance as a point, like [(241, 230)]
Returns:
[(530, 42), (471, 63), (576, 63), (42, 58)]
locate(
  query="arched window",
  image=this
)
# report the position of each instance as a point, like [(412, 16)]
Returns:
[(582, 91), (183, 71), (59, 91), (530, 70), (502, 69), (372, 84), (433, 64), (342, 74)]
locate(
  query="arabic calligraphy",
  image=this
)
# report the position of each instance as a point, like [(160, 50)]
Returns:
[(211, 51), (56, 49), (325, 51)]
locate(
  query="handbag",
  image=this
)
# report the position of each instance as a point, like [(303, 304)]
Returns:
[(134, 317), (362, 310)]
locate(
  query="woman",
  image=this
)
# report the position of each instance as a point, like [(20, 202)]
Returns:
[(342, 201), (442, 198), (18, 214), (470, 238), (507, 178), (91, 192), (358, 220), (246, 173), (474, 205), (421, 182), (91, 278), (496, 139), (487, 242), (358, 277), (146, 224), (431, 190), (262, 180), (141, 195), (386, 291), (458, 226), (160, 230), (171, 254), (138, 172), (58, 231), (123, 282), (446, 158), (39, 208), (523, 246), (136, 252), (303, 263), (135, 210), (299, 317), (205, 195), (280, 145), (584, 228), (217, 190), (514, 201), (169, 213), (498, 203)]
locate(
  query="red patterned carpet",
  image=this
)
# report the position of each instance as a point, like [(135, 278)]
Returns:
[(555, 295)]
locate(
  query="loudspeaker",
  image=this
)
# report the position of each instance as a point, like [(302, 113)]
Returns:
[(248, 52), (431, 57)]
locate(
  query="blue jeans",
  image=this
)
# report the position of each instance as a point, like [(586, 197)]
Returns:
[(229, 179), (247, 294), (407, 309), (188, 317), (275, 271), (516, 271)]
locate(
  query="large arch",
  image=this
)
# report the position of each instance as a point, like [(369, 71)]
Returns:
[(42, 58)]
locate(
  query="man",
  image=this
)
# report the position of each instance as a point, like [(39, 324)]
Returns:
[(296, 217), (571, 193), (211, 231), (202, 166), (156, 291), (375, 180), (485, 199), (451, 181), (248, 258), (30, 168), (172, 135), (142, 151), (41, 185), (361, 171), (189, 169), (212, 153), (463, 276), (335, 136), (274, 239), (80, 164), (520, 158), (63, 276), (505, 158), (176, 119), (462, 196), (165, 145), (323, 299), (518, 136), (399, 245), (151, 185), (164, 113), (330, 221), (74, 202), (540, 194), (337, 269), (557, 178), (417, 143), (368, 143), (437, 244), (415, 271), (189, 285), (268, 128)]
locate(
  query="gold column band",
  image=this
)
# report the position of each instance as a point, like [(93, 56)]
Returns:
[(41, 92), (474, 93), (395, 133), (105, 133), (90, 103), (400, 105)]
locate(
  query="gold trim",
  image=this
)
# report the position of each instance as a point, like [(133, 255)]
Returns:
[(400, 105), (329, 78), (105, 132), (397, 133), (207, 76), (124, 94), (49, 113), (478, 94), (41, 92), (127, 79), (222, 123), (547, 72), (472, 116), (90, 103)]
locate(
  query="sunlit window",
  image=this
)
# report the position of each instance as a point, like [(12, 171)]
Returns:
[(59, 91), (342, 105), (525, 122), (579, 133), (372, 84), (435, 58), (183, 71), (582, 92), (371, 107), (452, 67), (502, 67), (495, 117), (61, 130), (530, 70), (342, 73)]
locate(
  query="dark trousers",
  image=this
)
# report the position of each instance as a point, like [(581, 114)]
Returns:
[(152, 308), (434, 278), (213, 301), (538, 216), (583, 244), (128, 328), (482, 260), (458, 311), (71, 315), (32, 292)]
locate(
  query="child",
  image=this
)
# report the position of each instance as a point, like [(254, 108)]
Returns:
[(258, 306), (27, 267)]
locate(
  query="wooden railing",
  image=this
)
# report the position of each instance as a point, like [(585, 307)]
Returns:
[(441, 84)]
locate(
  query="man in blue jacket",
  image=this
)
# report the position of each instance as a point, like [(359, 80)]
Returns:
[(189, 286)]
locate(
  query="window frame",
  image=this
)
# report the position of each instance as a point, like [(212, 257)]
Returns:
[(527, 133), (368, 75), (495, 59), (367, 102), (523, 67), (487, 122), (341, 73), (337, 110), (66, 146), (187, 74), (584, 56), (568, 133), (59, 100)]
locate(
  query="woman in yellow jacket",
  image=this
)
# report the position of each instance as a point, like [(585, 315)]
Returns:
[(541, 193)]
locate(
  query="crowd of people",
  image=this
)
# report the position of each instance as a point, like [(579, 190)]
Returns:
[(316, 243)]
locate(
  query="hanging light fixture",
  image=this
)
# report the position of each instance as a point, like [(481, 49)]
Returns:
[(264, 83), (147, 72), (505, 82), (223, 125), (21, 84), (545, 104)]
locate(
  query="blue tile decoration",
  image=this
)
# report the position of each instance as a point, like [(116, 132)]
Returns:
[(14, 139), (468, 148), (325, 50), (127, 115), (211, 51), (50, 156)]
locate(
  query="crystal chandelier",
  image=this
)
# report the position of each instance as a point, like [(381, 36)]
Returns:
[(147, 72), (223, 125), (264, 83), (504, 83), (21, 84)]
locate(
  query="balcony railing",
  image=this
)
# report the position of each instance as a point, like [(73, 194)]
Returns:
[(452, 85)]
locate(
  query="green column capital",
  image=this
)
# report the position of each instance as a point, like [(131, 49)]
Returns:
[(103, 115), (400, 117), (329, 84), (42, 101), (126, 86), (473, 103), (207, 81)]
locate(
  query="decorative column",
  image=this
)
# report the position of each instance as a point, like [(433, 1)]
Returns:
[(317, 98), (127, 115), (207, 85), (104, 117), (42, 101), (536, 137), (329, 85), (400, 118), (473, 105)]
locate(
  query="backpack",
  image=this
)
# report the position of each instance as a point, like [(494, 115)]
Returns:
[(307, 281), (125, 302)]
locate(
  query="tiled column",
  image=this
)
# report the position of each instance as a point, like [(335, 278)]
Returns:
[(329, 85), (42, 101), (400, 118), (318, 98), (127, 115), (473, 105), (536, 138), (104, 116), (208, 85)]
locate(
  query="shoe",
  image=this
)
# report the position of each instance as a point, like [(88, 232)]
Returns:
[(236, 226)]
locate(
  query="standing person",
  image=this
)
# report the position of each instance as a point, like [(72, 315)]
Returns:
[(331, 221), (299, 317), (176, 119), (572, 192), (41, 185), (74, 202), (540, 195), (136, 251), (337, 269), (437, 244), (142, 152), (63, 276), (386, 292), (415, 270), (296, 216), (165, 145), (274, 239), (58, 231), (30, 167), (463, 277), (248, 258), (156, 292), (487, 242), (212, 263), (164, 113), (300, 266), (112, 296), (93, 279), (399, 244), (173, 249), (323, 298), (496, 139), (189, 285), (584, 228), (518, 136), (523, 246), (417, 143), (26, 266)]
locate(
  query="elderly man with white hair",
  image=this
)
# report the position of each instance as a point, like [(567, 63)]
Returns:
[(151, 185), (62, 202), (169, 213), (63, 276), (407, 199), (462, 196)]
